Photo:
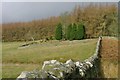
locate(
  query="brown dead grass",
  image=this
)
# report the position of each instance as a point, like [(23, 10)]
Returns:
[(109, 57), (109, 48)]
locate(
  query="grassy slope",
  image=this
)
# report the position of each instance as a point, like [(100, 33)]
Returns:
[(17, 60)]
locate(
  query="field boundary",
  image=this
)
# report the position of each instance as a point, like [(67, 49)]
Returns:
[(56, 70)]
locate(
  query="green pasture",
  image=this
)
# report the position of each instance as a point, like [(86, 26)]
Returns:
[(16, 59)]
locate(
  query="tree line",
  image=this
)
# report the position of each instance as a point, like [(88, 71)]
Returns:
[(98, 19)]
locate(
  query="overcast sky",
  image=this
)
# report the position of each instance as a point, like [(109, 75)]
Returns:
[(27, 11)]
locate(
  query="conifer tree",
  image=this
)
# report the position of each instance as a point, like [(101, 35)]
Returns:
[(69, 29), (58, 33), (80, 31), (73, 32)]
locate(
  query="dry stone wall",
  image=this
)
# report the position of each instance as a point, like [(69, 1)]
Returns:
[(70, 70)]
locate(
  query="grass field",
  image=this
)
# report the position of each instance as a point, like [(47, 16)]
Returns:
[(16, 60)]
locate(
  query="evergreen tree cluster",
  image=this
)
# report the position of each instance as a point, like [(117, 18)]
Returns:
[(73, 32)]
